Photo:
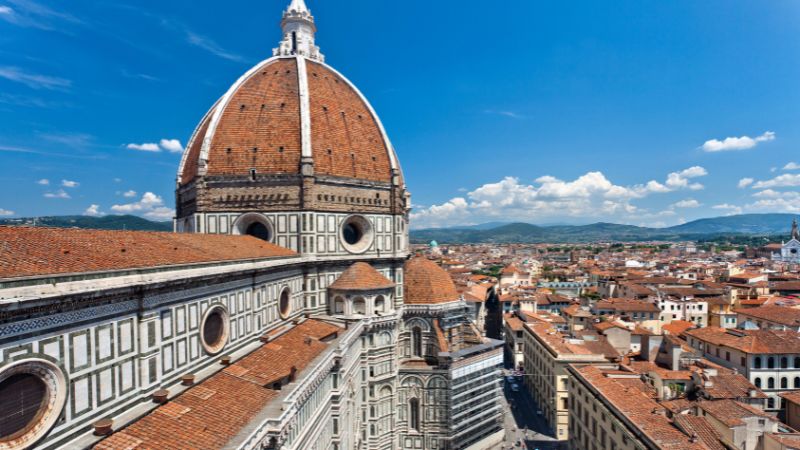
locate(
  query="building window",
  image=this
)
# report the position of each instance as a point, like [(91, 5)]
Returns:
[(771, 383), (359, 306), (784, 362), (796, 382), (757, 382), (285, 303), (413, 416), (214, 329), (416, 341), (770, 362), (784, 382), (770, 403), (757, 362)]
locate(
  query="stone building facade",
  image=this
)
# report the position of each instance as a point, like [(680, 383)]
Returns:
[(284, 313)]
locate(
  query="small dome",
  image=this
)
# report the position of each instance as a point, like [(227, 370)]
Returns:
[(426, 283), (434, 244), (361, 277)]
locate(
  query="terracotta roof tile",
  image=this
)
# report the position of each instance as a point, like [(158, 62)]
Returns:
[(210, 414), (426, 283), (361, 276), (32, 251)]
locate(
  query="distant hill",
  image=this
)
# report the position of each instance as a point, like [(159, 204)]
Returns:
[(134, 223), (744, 224)]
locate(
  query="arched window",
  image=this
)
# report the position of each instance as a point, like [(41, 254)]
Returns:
[(359, 306), (784, 362), (416, 341), (770, 362), (784, 382), (757, 362), (338, 305), (771, 383), (380, 304), (796, 382), (797, 362), (757, 382), (413, 414), (770, 403)]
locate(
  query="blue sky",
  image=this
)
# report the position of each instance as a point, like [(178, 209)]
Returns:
[(648, 113)]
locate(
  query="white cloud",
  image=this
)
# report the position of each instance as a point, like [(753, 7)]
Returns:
[(150, 205), (680, 180), (688, 203), (44, 182), (505, 113), (69, 183), (791, 166), (57, 194), (744, 182), (210, 46), (5, 212), (169, 145), (33, 80), (589, 195), (737, 143), (732, 209), (146, 147), (785, 180), (129, 194), (93, 210), (6, 10), (162, 213)]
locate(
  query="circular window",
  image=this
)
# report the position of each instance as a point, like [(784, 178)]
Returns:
[(32, 394), (214, 329), (254, 224), (356, 235), (259, 230), (285, 303)]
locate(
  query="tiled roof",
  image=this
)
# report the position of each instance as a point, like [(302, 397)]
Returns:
[(33, 251), (702, 428), (731, 412), (626, 305), (777, 314), (359, 277), (677, 327), (640, 409), (260, 128), (426, 283), (750, 341), (210, 414)]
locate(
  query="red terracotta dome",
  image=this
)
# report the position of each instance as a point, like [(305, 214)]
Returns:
[(283, 110), (427, 283)]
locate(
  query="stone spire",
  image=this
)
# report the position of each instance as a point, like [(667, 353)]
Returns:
[(795, 231), (298, 33)]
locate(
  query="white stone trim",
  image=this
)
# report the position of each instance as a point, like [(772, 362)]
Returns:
[(195, 133), (305, 108), (222, 105), (52, 376), (389, 147)]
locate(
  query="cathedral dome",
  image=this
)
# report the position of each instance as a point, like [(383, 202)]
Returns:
[(288, 110), (427, 283)]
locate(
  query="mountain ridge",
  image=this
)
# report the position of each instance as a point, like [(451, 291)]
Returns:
[(520, 232)]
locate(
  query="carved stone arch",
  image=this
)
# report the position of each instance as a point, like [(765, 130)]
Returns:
[(437, 382), (417, 322)]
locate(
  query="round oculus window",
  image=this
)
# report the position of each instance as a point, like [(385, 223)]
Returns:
[(32, 395), (285, 303), (259, 230), (356, 234), (214, 329)]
